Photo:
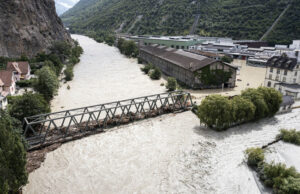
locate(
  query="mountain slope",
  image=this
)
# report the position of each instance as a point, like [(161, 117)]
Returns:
[(29, 27), (63, 5), (240, 19)]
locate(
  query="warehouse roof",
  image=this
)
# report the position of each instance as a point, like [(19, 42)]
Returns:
[(186, 60)]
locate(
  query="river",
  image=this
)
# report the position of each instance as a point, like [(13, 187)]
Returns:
[(167, 154)]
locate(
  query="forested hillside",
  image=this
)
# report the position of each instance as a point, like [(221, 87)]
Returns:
[(239, 19)]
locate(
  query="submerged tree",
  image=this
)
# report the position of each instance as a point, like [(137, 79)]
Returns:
[(243, 110), (171, 84), (272, 97), (215, 112), (257, 98)]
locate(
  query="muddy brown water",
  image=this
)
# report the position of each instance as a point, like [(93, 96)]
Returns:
[(167, 154)]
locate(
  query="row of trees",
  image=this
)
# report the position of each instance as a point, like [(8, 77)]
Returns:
[(220, 112), (128, 47)]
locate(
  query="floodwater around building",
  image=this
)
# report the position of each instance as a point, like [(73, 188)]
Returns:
[(167, 154)]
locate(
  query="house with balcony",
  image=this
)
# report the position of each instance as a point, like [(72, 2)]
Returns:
[(283, 74)]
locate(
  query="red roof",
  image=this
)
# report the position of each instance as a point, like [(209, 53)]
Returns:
[(21, 67), (6, 77)]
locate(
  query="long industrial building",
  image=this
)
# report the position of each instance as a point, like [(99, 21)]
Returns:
[(185, 66)]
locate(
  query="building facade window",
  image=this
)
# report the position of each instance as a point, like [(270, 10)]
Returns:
[(278, 71), (284, 79), (277, 78), (270, 76), (269, 84), (294, 80), (271, 69), (296, 73), (285, 72)]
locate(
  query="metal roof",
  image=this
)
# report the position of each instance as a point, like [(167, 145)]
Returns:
[(186, 60)]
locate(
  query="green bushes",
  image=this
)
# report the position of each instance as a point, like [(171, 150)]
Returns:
[(128, 48), (290, 136), (69, 73), (221, 112), (152, 71), (146, 69), (155, 73), (27, 105), (171, 84), (25, 83), (255, 156), (281, 179)]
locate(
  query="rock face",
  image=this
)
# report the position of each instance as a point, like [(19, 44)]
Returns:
[(29, 27)]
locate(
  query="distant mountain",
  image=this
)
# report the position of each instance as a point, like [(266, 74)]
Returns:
[(63, 5), (239, 19)]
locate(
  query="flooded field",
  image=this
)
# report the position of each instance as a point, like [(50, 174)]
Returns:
[(167, 154)]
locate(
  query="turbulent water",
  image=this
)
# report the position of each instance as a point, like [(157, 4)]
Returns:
[(168, 154)]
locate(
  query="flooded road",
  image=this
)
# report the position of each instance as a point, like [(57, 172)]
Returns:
[(167, 154)]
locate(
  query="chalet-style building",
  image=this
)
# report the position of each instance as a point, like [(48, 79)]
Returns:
[(283, 74), (185, 66), (21, 69), (9, 81), (3, 96)]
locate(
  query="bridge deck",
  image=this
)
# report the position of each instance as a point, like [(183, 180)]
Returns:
[(47, 129)]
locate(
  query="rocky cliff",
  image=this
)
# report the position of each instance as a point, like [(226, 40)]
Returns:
[(29, 27)]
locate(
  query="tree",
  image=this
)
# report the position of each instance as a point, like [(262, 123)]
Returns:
[(27, 105), (243, 110), (147, 68), (257, 99), (171, 84), (47, 83), (12, 156), (226, 59), (215, 112), (61, 49), (155, 74), (273, 99), (69, 73)]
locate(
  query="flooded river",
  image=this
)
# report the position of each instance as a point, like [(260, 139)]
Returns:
[(167, 154)]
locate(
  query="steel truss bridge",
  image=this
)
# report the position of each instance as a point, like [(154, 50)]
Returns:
[(58, 127)]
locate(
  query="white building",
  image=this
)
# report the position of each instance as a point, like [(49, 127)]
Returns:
[(3, 96), (283, 74), (9, 81)]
